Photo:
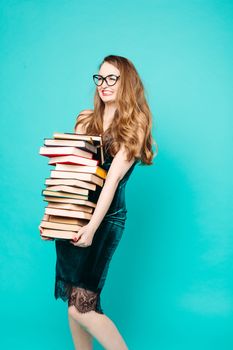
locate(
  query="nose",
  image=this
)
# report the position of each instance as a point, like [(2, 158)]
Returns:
[(104, 84)]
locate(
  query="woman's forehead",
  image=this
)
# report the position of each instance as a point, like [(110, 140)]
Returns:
[(107, 69)]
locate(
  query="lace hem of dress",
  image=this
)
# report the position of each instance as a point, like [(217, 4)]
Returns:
[(81, 297)]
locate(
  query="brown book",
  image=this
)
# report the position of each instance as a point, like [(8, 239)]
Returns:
[(69, 160), (76, 190), (70, 207), (58, 234), (69, 200), (69, 189), (63, 194), (79, 176), (59, 226), (72, 192), (70, 182), (68, 213), (83, 169), (65, 220)]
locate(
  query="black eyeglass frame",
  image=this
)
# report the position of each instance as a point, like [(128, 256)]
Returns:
[(104, 79)]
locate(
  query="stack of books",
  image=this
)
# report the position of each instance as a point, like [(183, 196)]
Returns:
[(75, 183)]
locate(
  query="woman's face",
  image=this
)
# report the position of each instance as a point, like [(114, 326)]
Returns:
[(108, 93)]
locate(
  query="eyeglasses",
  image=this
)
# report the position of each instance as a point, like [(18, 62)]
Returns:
[(110, 79)]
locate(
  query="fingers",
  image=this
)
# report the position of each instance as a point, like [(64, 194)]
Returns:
[(44, 237), (77, 241), (82, 245), (47, 238), (81, 238), (76, 237), (80, 242)]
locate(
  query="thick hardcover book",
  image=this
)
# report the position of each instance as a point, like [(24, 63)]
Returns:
[(70, 182), (68, 213), (70, 206), (73, 160), (69, 200), (92, 178), (59, 226), (58, 234), (84, 145), (66, 193), (62, 194), (65, 220), (75, 190), (63, 151), (83, 169)]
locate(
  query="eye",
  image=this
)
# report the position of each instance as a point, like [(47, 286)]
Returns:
[(97, 79), (111, 78)]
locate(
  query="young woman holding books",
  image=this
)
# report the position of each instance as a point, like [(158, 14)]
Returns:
[(122, 117)]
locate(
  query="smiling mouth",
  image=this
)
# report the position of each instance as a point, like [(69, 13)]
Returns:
[(106, 93)]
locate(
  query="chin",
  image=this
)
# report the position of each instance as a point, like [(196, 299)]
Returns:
[(105, 99)]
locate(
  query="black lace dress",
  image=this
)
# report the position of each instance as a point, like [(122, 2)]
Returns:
[(81, 272)]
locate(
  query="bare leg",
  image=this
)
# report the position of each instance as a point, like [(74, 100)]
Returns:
[(99, 326), (81, 338)]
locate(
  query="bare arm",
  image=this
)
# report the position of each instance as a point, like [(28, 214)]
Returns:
[(116, 172)]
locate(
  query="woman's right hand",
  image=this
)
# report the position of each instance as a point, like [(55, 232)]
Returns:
[(41, 231)]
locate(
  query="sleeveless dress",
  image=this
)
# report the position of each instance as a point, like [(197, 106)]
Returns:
[(80, 272)]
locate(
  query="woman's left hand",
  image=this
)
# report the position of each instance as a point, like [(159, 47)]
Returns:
[(83, 238)]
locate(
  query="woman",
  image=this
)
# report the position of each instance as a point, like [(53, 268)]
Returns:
[(122, 116)]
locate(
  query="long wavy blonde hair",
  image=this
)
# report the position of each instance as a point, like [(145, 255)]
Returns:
[(132, 118)]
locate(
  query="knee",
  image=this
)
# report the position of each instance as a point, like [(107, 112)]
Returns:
[(75, 314), (72, 312)]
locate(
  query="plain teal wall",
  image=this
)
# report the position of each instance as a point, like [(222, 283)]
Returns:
[(170, 284)]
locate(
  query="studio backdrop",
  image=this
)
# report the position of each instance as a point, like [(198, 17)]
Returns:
[(170, 284)]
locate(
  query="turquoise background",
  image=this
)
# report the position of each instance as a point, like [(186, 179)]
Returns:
[(170, 284)]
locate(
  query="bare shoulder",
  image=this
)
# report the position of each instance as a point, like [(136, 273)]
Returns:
[(79, 128)]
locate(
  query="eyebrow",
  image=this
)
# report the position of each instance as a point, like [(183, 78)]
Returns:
[(107, 75)]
